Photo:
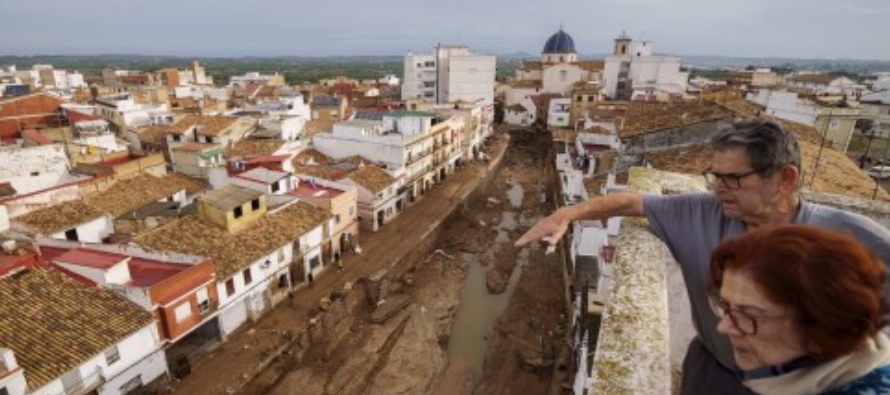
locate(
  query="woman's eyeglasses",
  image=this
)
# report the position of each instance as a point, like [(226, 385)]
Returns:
[(744, 322)]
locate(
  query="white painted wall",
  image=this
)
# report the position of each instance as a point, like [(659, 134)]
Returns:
[(560, 78), (4, 218), (140, 355), (91, 232), (24, 162)]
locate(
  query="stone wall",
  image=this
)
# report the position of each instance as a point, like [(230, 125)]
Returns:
[(690, 134), (646, 326)]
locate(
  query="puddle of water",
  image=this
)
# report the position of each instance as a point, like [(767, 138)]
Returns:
[(515, 194), (476, 314), (508, 223)]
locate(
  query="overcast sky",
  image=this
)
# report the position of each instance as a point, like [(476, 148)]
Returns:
[(769, 28)]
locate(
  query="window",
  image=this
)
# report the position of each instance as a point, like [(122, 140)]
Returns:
[(71, 234), (208, 139), (4, 391), (132, 384), (314, 262), (183, 311), (336, 218), (563, 75), (112, 355), (247, 278), (255, 204), (275, 186), (35, 173), (351, 210), (203, 300), (230, 287), (238, 212), (177, 137)]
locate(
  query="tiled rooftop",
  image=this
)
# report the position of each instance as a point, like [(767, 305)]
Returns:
[(318, 126), (130, 194), (372, 178), (212, 125), (255, 147), (645, 117), (60, 217), (232, 253), (191, 185), (595, 183), (67, 322), (156, 134)]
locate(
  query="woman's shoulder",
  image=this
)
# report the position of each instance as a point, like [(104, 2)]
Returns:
[(876, 382)]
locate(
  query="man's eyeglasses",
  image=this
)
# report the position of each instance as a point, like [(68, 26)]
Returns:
[(729, 180), (741, 320)]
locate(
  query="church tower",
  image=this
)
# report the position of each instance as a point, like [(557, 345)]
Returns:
[(622, 45)]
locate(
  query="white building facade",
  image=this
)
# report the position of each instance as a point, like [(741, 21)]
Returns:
[(451, 74), (632, 72)]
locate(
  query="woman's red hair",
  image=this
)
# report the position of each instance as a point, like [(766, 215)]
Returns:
[(833, 285)]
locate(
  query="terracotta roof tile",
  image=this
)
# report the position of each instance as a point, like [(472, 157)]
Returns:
[(591, 65), (60, 217), (127, 195), (593, 184), (255, 147), (646, 117), (232, 253), (318, 126), (156, 134), (182, 181), (54, 323), (838, 174), (525, 84), (372, 178), (212, 125)]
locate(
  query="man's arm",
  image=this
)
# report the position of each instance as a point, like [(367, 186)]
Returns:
[(613, 205)]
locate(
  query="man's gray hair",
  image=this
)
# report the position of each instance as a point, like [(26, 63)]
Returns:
[(769, 146)]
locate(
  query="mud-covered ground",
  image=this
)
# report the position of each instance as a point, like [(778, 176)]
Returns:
[(408, 353)]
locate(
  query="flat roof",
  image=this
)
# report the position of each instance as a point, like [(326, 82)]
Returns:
[(230, 196)]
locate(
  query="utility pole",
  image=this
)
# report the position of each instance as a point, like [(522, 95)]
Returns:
[(874, 193), (821, 147)]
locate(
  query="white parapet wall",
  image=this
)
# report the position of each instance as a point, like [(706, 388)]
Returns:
[(646, 326)]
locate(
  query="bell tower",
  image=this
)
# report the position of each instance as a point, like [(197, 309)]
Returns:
[(622, 45)]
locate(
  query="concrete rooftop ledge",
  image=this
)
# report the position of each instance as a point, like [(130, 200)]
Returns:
[(646, 325)]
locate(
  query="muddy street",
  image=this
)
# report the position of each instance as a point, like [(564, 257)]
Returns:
[(469, 314)]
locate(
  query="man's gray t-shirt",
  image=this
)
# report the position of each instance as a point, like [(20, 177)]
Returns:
[(693, 225)]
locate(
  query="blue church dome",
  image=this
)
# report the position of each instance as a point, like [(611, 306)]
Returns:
[(560, 42)]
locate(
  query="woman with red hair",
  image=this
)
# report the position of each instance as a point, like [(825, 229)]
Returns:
[(803, 308)]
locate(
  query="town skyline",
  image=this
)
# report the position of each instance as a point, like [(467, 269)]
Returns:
[(792, 29)]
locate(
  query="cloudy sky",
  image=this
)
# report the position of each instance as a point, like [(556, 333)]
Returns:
[(775, 28)]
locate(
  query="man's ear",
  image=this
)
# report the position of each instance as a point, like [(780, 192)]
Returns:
[(789, 177)]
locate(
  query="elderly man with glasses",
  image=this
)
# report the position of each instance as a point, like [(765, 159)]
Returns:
[(755, 180)]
